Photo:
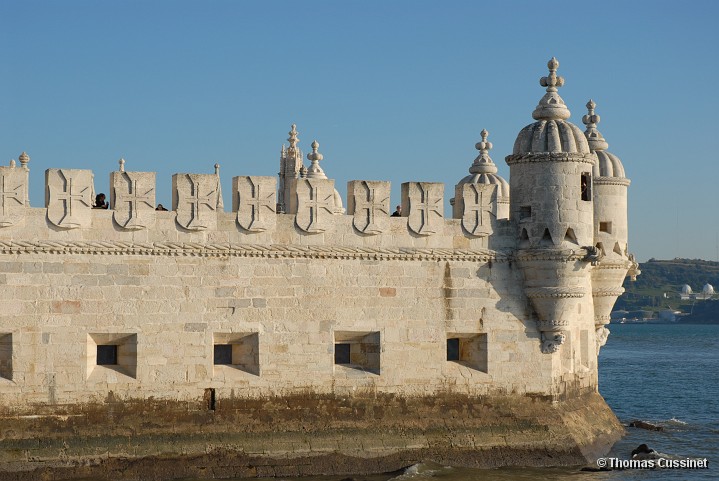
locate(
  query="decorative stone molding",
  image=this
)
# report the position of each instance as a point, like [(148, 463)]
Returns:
[(607, 292), (602, 333), (611, 181), (69, 197), (368, 203), (423, 202), (247, 250), (566, 255), (315, 204), (539, 157), (553, 334), (195, 197), (554, 293), (13, 195), (133, 199), (478, 209), (254, 200)]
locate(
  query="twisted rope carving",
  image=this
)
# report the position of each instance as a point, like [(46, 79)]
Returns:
[(244, 250)]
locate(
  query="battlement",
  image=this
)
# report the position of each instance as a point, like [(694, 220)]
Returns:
[(197, 214)]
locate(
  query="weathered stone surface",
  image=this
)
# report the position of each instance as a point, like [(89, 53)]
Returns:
[(315, 204), (368, 204), (478, 201), (69, 197), (195, 197), (132, 199), (423, 204), (13, 194), (253, 198)]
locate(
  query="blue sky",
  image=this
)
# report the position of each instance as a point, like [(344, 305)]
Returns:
[(392, 90)]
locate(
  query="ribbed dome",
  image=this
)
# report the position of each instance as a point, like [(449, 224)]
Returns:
[(489, 179), (551, 136), (686, 289), (708, 289), (609, 165)]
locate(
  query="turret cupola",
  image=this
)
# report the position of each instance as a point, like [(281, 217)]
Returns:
[(551, 133)]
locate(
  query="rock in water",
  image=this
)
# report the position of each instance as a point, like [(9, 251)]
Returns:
[(645, 425)]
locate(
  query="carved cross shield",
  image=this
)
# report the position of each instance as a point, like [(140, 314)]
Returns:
[(69, 197), (133, 195), (315, 204), (254, 201), (478, 212), (369, 204), (195, 198), (13, 192), (424, 201)]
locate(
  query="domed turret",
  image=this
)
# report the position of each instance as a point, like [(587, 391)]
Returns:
[(708, 290), (552, 212), (550, 175), (483, 172)]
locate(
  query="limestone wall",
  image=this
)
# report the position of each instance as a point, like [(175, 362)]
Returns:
[(284, 298)]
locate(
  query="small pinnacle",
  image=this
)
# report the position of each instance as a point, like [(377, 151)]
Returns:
[(217, 169), (293, 139), (12, 163), (594, 137), (122, 165), (24, 159), (315, 171), (483, 163), (551, 106)]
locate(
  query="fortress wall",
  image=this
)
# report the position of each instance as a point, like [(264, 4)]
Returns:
[(58, 306)]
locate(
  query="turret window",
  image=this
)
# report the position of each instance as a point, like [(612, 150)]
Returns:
[(586, 186), (605, 227), (525, 212)]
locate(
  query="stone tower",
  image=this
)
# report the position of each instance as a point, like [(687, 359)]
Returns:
[(552, 212), (610, 226)]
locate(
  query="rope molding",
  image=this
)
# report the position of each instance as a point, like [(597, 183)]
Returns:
[(245, 250)]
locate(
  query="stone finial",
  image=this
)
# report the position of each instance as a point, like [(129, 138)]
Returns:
[(24, 159), (122, 165), (303, 172), (293, 139), (283, 151), (483, 163), (217, 169), (12, 163), (315, 171), (551, 106), (594, 137)]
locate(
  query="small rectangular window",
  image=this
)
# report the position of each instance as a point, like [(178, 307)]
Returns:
[(107, 355), (605, 227), (453, 349), (586, 186), (525, 212), (342, 353), (223, 353)]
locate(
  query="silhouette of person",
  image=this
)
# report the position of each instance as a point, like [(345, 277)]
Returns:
[(397, 212), (100, 202), (160, 207)]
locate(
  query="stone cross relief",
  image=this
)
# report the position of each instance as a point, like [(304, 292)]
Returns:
[(478, 209), (13, 192), (368, 203), (315, 204), (424, 203), (254, 199), (69, 197), (133, 195), (195, 199)]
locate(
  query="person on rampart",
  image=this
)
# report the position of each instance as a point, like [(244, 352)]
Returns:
[(397, 212), (160, 207), (100, 202)]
